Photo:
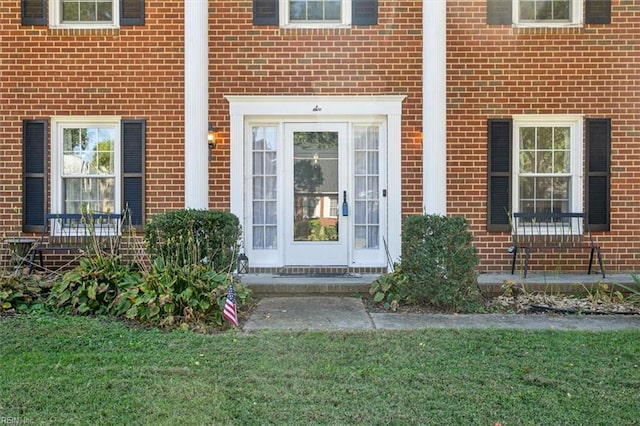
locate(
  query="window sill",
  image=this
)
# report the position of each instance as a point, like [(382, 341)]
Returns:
[(77, 31)]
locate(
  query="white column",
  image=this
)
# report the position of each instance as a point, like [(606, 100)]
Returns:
[(196, 104), (434, 123)]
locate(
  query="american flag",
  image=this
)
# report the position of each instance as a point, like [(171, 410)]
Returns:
[(229, 312)]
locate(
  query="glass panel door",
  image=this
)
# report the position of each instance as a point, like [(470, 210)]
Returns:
[(316, 166), (315, 186)]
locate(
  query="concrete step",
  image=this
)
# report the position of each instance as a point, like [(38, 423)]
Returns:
[(351, 284)]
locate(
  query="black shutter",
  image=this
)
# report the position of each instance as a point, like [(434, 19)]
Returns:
[(499, 12), (598, 172), (364, 12), (131, 12), (597, 11), (265, 12), (499, 174), (34, 12), (34, 174), (133, 136)]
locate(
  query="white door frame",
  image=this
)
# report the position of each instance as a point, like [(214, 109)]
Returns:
[(326, 109)]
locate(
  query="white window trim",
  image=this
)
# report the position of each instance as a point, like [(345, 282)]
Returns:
[(55, 17), (575, 21), (575, 123), (285, 22), (58, 124)]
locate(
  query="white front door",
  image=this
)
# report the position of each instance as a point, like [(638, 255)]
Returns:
[(316, 194)]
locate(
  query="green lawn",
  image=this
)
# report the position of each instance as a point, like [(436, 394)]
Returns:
[(61, 370)]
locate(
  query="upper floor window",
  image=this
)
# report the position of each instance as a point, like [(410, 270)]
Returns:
[(547, 12), (315, 13), (82, 13), (318, 12)]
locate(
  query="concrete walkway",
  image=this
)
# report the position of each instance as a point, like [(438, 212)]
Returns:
[(349, 313)]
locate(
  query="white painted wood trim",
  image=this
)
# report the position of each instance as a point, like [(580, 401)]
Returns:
[(196, 103), (434, 94)]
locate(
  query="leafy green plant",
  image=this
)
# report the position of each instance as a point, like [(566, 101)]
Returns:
[(601, 292), (92, 286), (440, 262), (170, 295), (389, 289), (632, 291), (19, 292)]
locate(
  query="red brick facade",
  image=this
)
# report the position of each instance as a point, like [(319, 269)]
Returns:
[(496, 71), (493, 71), (385, 59)]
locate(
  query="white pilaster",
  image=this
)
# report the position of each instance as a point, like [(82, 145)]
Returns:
[(196, 100), (434, 127)]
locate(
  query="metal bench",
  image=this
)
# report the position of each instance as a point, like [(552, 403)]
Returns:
[(78, 234), (552, 232)]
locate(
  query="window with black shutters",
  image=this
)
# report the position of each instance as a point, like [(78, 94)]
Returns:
[(315, 13), (536, 163), (548, 13), (82, 13)]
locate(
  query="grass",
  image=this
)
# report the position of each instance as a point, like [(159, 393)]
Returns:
[(71, 370)]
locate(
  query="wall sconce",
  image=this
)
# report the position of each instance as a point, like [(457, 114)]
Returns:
[(211, 139)]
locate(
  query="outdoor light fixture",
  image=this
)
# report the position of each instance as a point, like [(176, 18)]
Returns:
[(243, 264), (211, 139)]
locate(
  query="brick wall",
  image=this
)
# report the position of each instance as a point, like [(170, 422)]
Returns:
[(379, 60), (498, 71), (137, 72), (134, 72)]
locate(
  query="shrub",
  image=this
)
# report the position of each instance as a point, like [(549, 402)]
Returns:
[(188, 237), (440, 262)]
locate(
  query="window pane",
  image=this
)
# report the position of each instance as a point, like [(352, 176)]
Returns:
[(96, 194), (270, 163), (544, 138), (87, 11), (528, 138), (544, 9), (544, 162), (105, 11), (258, 188), (70, 11), (561, 138), (332, 10), (561, 162), (258, 213), (258, 163), (372, 162), (297, 11), (315, 11), (527, 159), (526, 188)]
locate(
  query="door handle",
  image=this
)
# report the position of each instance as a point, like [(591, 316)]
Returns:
[(345, 205)]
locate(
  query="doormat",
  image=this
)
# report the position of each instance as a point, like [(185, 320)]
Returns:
[(317, 275)]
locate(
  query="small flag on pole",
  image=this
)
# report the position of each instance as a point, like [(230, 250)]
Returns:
[(229, 312)]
